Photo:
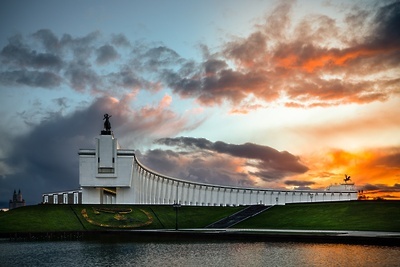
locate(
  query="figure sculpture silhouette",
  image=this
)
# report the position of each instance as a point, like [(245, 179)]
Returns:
[(107, 124)]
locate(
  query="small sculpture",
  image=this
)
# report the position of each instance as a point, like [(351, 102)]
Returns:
[(107, 124), (346, 178)]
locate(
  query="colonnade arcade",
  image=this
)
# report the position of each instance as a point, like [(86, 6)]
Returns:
[(155, 188)]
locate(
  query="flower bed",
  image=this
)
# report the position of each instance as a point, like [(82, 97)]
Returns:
[(117, 217)]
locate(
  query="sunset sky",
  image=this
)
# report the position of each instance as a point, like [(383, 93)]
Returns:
[(275, 94)]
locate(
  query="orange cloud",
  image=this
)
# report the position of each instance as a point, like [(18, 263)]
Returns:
[(375, 171), (340, 58)]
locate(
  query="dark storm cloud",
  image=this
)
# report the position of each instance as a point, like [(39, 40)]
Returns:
[(163, 161), (45, 159), (49, 40), (272, 164), (381, 188), (299, 183), (106, 54), (387, 22), (43, 79), (212, 66), (17, 55), (198, 167)]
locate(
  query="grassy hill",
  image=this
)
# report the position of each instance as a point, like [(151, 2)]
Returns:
[(357, 215), (46, 218)]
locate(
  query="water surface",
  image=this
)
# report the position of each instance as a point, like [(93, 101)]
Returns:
[(227, 253)]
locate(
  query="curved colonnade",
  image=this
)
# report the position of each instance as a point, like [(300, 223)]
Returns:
[(155, 188)]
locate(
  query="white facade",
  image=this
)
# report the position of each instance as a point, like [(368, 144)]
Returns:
[(106, 173), (65, 197), (110, 175)]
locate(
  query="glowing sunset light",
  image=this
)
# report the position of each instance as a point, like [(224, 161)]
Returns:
[(274, 94)]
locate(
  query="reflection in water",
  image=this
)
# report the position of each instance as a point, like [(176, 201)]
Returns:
[(83, 253), (344, 255)]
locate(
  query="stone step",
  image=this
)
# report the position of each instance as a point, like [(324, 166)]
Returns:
[(238, 217)]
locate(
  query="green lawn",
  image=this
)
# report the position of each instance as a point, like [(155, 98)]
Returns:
[(192, 217), (39, 218), (70, 218), (357, 215)]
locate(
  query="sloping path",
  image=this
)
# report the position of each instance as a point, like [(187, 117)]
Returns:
[(239, 216)]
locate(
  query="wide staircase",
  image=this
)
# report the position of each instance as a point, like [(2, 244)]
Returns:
[(238, 217)]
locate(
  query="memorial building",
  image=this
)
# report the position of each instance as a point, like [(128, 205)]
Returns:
[(109, 174)]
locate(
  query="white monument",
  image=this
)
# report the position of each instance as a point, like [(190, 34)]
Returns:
[(111, 175), (106, 173)]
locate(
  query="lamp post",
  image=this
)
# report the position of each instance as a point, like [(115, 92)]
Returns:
[(176, 206)]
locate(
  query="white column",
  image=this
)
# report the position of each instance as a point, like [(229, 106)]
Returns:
[(156, 188), (187, 199), (205, 195), (147, 188), (218, 196), (195, 191), (161, 190), (140, 185), (177, 192), (212, 196), (171, 192), (223, 202), (165, 196), (198, 200), (150, 192)]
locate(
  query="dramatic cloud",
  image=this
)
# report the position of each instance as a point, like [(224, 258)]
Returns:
[(45, 159), (376, 191), (268, 164), (374, 170), (309, 62), (198, 166), (313, 63)]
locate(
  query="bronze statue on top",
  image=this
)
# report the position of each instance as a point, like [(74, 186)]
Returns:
[(107, 125)]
